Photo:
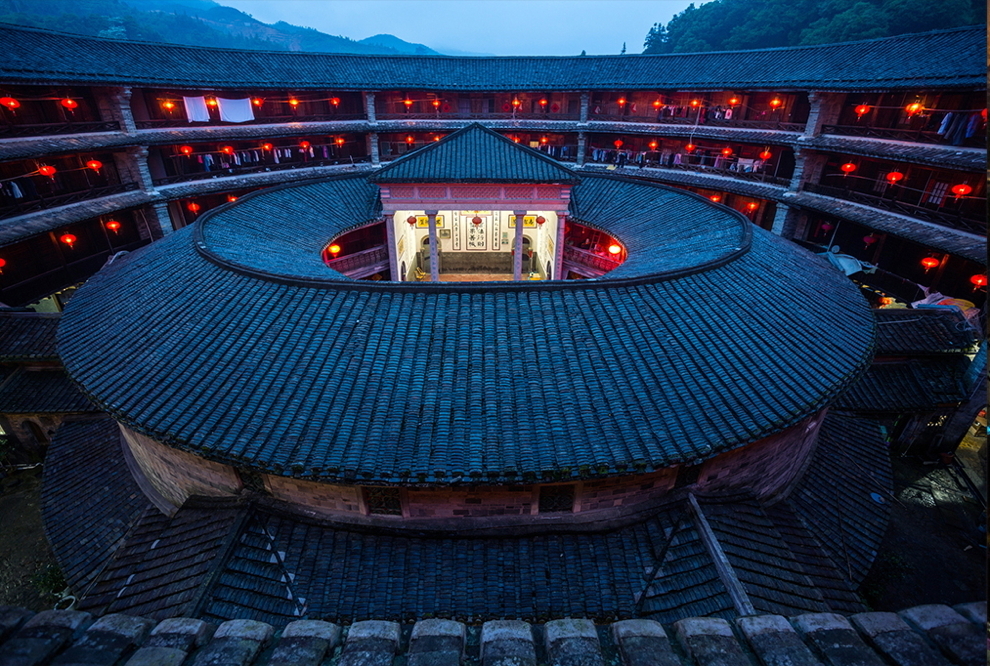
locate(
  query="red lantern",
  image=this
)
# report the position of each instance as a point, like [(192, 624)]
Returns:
[(228, 150), (977, 280), (544, 140), (186, 150), (69, 103), (657, 104), (913, 108), (3, 262), (304, 144), (690, 147), (293, 102), (47, 171), (95, 165), (540, 220), (765, 155), (653, 145), (614, 249), (961, 190), (776, 103), (886, 300), (869, 240), (335, 101), (894, 177), (267, 146), (751, 206), (861, 110), (407, 102), (695, 103), (9, 102), (733, 101), (410, 139), (411, 220), (516, 103), (194, 207), (257, 101), (827, 227), (715, 198), (436, 104), (476, 221), (231, 198), (334, 250), (930, 263), (848, 168), (617, 143), (211, 101), (727, 151), (543, 102), (622, 101), (340, 141), (168, 105), (113, 225), (68, 239)]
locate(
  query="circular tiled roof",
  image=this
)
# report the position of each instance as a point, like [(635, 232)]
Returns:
[(234, 340)]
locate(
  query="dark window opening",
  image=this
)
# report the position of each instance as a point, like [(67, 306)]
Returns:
[(383, 501), (557, 499)]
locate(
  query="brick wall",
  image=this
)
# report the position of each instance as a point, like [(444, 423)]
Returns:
[(765, 467), (177, 475), (467, 502), (624, 491), (320, 497)]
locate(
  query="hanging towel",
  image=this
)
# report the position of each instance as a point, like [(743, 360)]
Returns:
[(196, 111), (235, 110)]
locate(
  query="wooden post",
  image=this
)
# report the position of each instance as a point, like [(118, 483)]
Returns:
[(518, 245), (431, 220), (392, 249), (558, 259)]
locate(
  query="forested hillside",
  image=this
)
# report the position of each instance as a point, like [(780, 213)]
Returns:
[(726, 25)]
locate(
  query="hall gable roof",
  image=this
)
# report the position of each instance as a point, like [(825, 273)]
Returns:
[(475, 154)]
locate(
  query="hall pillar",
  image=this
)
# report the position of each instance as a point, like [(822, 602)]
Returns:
[(808, 168), (558, 255), (373, 148), (393, 259), (825, 110), (585, 103), (114, 104), (157, 220), (369, 106), (431, 220), (517, 246), (581, 147)]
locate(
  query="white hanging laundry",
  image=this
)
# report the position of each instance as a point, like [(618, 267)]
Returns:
[(196, 111), (235, 110)]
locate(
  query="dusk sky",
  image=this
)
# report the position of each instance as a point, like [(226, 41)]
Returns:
[(499, 27)]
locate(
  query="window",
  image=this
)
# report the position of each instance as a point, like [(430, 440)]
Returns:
[(383, 501), (557, 499)]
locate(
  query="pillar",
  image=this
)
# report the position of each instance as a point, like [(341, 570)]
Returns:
[(558, 259), (785, 221), (581, 147), (431, 220), (373, 149), (585, 103), (825, 110), (132, 166), (114, 104), (393, 251), (369, 107), (808, 167), (158, 219), (517, 246)]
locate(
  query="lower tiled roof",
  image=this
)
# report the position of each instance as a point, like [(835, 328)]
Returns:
[(27, 336), (37, 391), (908, 386), (923, 331)]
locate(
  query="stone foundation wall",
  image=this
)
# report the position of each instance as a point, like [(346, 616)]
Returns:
[(177, 475)]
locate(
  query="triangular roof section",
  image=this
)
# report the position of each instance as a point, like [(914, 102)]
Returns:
[(475, 154)]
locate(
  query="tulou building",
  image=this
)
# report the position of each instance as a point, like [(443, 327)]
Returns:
[(474, 338)]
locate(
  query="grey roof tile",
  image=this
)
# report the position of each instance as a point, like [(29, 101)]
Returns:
[(27, 336)]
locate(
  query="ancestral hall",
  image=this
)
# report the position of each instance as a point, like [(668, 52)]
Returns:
[(387, 359)]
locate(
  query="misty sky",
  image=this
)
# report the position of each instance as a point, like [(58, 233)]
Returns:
[(499, 27)]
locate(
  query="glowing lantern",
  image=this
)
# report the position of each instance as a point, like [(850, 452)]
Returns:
[(334, 250), (436, 137), (913, 108), (411, 220), (886, 300), (751, 206), (715, 198), (543, 139), (733, 101), (776, 103), (727, 151), (407, 102), (335, 101), (476, 221), (95, 165), (540, 220), (515, 139), (231, 198), (3, 262), (9, 102), (614, 248), (765, 155), (657, 104), (848, 168), (257, 101), (409, 139), (827, 227), (543, 102), (186, 150), (930, 263), (961, 190), (861, 110), (869, 240), (267, 146), (113, 225), (340, 141), (653, 145), (69, 103), (690, 147), (894, 177), (293, 102), (977, 280), (696, 103), (304, 144), (47, 171), (68, 239), (212, 102), (516, 103), (617, 143), (168, 105), (194, 207), (436, 104), (622, 101), (228, 150)]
